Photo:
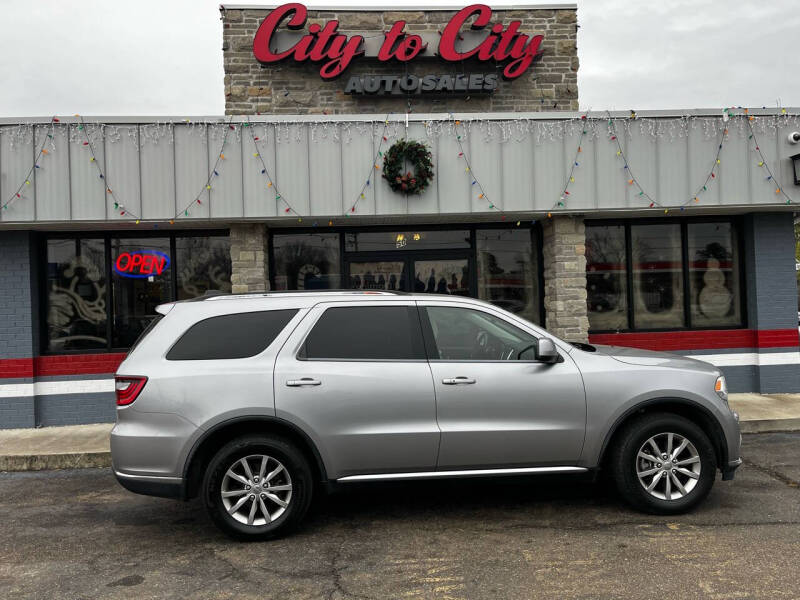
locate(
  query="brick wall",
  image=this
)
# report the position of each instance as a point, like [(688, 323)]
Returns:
[(550, 84), (564, 258), (248, 258), (16, 323), (771, 281)]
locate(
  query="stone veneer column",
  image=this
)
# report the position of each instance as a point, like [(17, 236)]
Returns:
[(564, 257), (249, 258)]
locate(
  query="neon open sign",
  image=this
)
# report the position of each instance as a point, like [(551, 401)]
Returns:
[(141, 264)]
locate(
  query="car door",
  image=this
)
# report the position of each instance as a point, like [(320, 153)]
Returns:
[(496, 405), (354, 376)]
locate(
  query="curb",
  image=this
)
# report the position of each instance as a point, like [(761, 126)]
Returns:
[(769, 425), (48, 462)]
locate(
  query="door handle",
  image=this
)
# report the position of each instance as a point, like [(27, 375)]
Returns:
[(458, 380), (302, 382)]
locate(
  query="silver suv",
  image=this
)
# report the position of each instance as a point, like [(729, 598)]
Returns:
[(254, 402)]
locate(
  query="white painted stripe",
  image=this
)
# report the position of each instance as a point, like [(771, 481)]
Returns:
[(750, 359), (50, 388)]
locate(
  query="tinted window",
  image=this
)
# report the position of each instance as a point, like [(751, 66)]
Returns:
[(366, 333), (466, 334), (606, 277), (230, 336)]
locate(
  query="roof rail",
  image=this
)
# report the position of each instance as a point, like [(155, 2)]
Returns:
[(216, 294)]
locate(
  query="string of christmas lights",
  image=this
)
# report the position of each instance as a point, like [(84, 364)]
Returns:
[(87, 143), (211, 174), (763, 161), (18, 193), (288, 208), (513, 129), (373, 169), (482, 195), (561, 203)]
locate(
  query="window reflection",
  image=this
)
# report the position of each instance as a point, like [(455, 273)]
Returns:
[(606, 281), (307, 261), (507, 271), (76, 281), (203, 264), (657, 276)]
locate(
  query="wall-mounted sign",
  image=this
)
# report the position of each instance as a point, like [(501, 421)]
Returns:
[(141, 264), (403, 85), (335, 51)]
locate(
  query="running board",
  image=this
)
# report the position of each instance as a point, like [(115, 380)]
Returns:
[(470, 473)]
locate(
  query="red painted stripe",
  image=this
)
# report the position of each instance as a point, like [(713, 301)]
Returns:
[(700, 340), (64, 364), (16, 367)]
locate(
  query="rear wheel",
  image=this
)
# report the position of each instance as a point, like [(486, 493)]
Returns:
[(257, 487), (663, 463)]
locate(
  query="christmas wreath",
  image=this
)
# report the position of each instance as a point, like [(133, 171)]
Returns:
[(394, 161)]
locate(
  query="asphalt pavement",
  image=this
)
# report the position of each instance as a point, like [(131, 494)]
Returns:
[(77, 534)]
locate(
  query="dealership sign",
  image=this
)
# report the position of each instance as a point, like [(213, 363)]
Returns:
[(141, 264), (281, 37)]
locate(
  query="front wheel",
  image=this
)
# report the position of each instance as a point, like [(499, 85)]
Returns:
[(257, 487), (663, 464)]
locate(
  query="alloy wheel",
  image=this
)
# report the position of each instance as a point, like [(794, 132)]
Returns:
[(256, 490), (668, 466)]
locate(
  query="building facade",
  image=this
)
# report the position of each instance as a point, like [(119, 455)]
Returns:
[(667, 230)]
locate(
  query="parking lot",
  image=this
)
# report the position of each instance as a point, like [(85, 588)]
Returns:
[(78, 534)]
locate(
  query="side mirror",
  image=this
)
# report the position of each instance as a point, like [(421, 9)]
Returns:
[(546, 352)]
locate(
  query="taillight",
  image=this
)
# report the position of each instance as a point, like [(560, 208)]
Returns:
[(128, 388)]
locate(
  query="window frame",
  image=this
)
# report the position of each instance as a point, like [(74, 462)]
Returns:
[(106, 237), (417, 332), (736, 223)]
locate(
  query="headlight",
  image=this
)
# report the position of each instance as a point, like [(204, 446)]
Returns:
[(721, 388)]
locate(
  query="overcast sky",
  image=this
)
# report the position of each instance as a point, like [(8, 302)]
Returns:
[(163, 57)]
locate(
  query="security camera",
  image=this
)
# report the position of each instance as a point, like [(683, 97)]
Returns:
[(794, 137)]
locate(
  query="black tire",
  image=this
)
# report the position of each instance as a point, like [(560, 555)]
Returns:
[(294, 463), (623, 462)]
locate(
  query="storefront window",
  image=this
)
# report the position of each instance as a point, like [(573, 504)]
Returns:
[(507, 271), (202, 264), (142, 280), (77, 318), (372, 241), (142, 272), (711, 267), (657, 276), (307, 261), (606, 277), (713, 275)]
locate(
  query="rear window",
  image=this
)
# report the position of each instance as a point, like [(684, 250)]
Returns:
[(231, 336), (365, 333)]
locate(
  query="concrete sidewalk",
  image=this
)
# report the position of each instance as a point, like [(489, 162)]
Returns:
[(84, 446)]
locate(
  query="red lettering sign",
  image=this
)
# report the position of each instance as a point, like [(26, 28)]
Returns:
[(336, 50), (321, 43), (141, 264)]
